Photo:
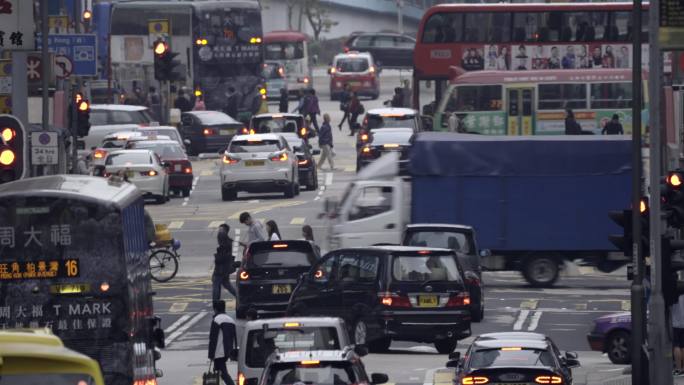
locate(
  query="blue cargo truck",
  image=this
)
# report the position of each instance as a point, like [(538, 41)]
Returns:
[(535, 202)]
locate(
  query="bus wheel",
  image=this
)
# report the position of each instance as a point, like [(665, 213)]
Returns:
[(163, 265)]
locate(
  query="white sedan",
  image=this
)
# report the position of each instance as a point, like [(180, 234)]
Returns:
[(143, 168), (258, 163)]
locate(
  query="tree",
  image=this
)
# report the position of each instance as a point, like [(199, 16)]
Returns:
[(318, 16)]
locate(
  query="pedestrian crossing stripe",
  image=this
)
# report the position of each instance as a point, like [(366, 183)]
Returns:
[(297, 221), (207, 173), (350, 169), (178, 307), (215, 224)]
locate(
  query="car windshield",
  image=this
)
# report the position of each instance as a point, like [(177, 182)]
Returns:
[(164, 150), (102, 117), (513, 356), (300, 338), (267, 258), (255, 145), (128, 158), (113, 143), (352, 64), (272, 71), (426, 268), (323, 373), (45, 378), (400, 121), (440, 239), (275, 125)]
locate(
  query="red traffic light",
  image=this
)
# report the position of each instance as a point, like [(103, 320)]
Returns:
[(160, 48)]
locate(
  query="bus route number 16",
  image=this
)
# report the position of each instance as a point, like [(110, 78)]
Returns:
[(71, 268)]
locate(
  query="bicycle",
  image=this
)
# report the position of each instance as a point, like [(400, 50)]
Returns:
[(164, 260)]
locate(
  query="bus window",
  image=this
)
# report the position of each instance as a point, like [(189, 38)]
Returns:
[(621, 26), (444, 28), (500, 30), (527, 26), (476, 27), (562, 96), (611, 95), (576, 27), (475, 98)]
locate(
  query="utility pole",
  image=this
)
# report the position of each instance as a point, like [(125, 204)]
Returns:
[(659, 344), (45, 59), (400, 16), (638, 309)]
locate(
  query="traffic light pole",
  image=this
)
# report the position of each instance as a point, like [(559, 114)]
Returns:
[(638, 308), (74, 127), (659, 344)]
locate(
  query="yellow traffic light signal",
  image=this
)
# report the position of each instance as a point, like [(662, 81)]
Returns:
[(7, 134), (160, 47), (83, 105), (87, 15), (7, 157)]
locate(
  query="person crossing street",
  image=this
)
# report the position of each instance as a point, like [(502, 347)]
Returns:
[(325, 142)]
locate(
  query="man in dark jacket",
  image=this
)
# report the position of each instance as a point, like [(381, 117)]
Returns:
[(613, 127), (283, 102), (223, 264), (222, 340), (325, 142), (312, 108), (571, 125), (182, 102), (345, 97)]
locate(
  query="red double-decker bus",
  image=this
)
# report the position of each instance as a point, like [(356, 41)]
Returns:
[(520, 37)]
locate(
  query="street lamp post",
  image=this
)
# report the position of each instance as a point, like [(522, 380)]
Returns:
[(400, 16)]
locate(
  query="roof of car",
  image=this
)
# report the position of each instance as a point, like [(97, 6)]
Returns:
[(510, 343), (317, 355), (208, 115), (257, 137), (439, 225), (512, 336), (130, 151), (117, 107), (392, 111), (303, 321), (123, 134), (164, 128), (279, 115), (356, 34), (159, 140), (402, 249), (353, 54)]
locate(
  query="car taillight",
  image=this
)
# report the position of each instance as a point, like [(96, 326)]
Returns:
[(366, 151), (244, 275), (474, 380), (279, 158), (394, 300), (149, 173), (187, 170), (461, 299), (303, 132), (303, 162), (306, 80), (241, 378), (548, 380), (229, 160), (208, 131), (364, 137)]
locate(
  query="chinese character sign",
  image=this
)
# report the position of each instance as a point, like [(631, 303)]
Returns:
[(16, 25)]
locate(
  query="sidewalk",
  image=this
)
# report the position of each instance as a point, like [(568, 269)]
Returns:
[(627, 380)]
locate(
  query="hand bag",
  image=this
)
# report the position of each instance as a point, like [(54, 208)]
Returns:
[(211, 377)]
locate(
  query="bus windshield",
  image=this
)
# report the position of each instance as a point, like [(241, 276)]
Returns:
[(230, 26)]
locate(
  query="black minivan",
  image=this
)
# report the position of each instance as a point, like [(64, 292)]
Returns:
[(268, 273), (387, 293)]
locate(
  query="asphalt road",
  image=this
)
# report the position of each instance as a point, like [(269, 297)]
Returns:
[(564, 312)]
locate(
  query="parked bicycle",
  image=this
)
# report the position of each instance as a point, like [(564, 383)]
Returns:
[(164, 256)]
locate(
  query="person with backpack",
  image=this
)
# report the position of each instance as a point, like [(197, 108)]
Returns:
[(222, 340)]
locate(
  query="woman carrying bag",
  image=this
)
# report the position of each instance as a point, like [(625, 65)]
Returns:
[(222, 342)]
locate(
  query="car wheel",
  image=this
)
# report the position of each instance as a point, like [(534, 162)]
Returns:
[(290, 190), (618, 347), (445, 346), (541, 270), (186, 192), (228, 194), (360, 332), (381, 345)]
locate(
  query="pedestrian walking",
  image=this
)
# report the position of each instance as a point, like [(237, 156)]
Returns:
[(154, 102), (223, 264), (677, 311), (199, 104), (283, 102), (232, 103), (571, 125), (407, 93), (307, 233), (301, 103), (256, 231), (355, 109), (182, 102), (398, 98), (273, 232), (222, 340), (345, 97), (312, 108), (613, 127), (325, 142)]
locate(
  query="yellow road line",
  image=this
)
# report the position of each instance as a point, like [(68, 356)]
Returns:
[(297, 221), (215, 224), (626, 305), (178, 307), (529, 304), (175, 225)]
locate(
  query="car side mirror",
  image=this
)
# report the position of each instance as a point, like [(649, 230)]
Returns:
[(156, 353), (361, 350), (379, 378), (316, 152), (166, 164), (187, 142), (484, 253), (570, 360)]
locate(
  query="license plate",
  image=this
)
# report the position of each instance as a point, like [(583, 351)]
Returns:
[(254, 163), (281, 289), (225, 132), (428, 301), (130, 174), (177, 168), (354, 84)]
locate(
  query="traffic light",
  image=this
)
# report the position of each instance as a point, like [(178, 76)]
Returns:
[(83, 117), (12, 154), (624, 219), (164, 63), (672, 196)]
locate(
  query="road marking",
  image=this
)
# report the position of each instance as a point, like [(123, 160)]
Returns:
[(521, 319), (177, 323), (207, 173), (185, 200), (264, 208), (350, 169), (581, 306), (443, 377), (586, 270), (178, 307), (297, 221), (529, 304), (328, 178), (626, 305), (253, 201), (182, 329), (534, 321), (236, 243), (215, 224), (175, 225)]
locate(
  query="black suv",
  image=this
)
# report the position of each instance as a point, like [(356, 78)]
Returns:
[(461, 239), (387, 293), (268, 273), (389, 50)]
